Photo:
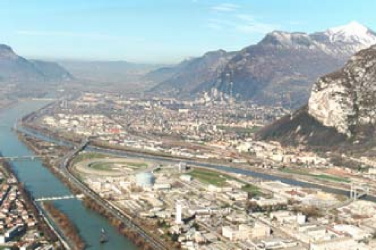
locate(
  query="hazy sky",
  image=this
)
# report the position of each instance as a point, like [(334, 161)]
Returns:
[(162, 30)]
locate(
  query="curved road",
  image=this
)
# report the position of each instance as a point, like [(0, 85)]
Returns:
[(64, 167), (231, 169), (207, 165)]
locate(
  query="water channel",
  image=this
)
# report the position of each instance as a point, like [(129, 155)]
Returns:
[(42, 183)]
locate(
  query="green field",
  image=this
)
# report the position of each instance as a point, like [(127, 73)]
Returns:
[(136, 164), (219, 179), (320, 176), (294, 171), (331, 178), (102, 166), (209, 177), (86, 156), (107, 166), (251, 189)]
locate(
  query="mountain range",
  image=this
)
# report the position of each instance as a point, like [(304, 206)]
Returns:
[(16, 69), (190, 76), (280, 69)]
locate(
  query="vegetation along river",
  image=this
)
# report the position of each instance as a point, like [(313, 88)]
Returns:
[(40, 182)]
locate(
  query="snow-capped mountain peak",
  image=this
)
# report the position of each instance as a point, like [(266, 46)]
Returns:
[(352, 28), (352, 32)]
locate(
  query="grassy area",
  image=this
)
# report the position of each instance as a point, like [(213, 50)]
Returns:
[(107, 166), (219, 179), (250, 188), (209, 177), (331, 178), (294, 171), (102, 166), (320, 176), (85, 156), (136, 164)]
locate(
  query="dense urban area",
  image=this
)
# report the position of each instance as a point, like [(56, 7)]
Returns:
[(197, 125), (167, 181)]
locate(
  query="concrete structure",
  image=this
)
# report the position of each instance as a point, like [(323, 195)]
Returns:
[(358, 190), (145, 179), (178, 214), (162, 186), (339, 243), (182, 167), (185, 177), (245, 232)]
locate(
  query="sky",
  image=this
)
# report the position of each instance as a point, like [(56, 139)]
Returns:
[(162, 31)]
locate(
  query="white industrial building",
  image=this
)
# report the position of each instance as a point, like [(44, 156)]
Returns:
[(145, 179)]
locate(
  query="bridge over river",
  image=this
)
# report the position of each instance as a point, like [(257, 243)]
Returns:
[(63, 197), (26, 157)]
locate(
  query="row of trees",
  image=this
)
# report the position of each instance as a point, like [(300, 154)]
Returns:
[(133, 236), (254, 207), (138, 240), (69, 229)]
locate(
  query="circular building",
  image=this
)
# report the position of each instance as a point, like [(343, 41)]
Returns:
[(145, 179)]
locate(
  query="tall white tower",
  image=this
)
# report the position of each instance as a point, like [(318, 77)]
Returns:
[(178, 213)]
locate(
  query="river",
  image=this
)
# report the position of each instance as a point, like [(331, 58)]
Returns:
[(40, 182), (235, 170)]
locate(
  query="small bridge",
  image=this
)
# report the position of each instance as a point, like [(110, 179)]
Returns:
[(64, 197), (25, 158)]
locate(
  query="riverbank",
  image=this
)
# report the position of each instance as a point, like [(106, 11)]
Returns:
[(273, 172), (89, 203), (42, 183), (123, 229), (41, 222), (67, 227), (31, 143), (322, 181), (261, 173)]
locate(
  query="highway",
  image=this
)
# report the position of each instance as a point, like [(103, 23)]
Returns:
[(64, 167)]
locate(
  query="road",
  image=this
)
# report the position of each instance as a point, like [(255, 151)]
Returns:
[(225, 168), (281, 231), (234, 170), (64, 167)]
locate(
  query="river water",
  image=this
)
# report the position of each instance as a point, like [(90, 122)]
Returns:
[(229, 169), (40, 182)]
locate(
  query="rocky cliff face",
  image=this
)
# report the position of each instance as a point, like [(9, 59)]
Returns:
[(346, 99), (190, 76), (341, 108)]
